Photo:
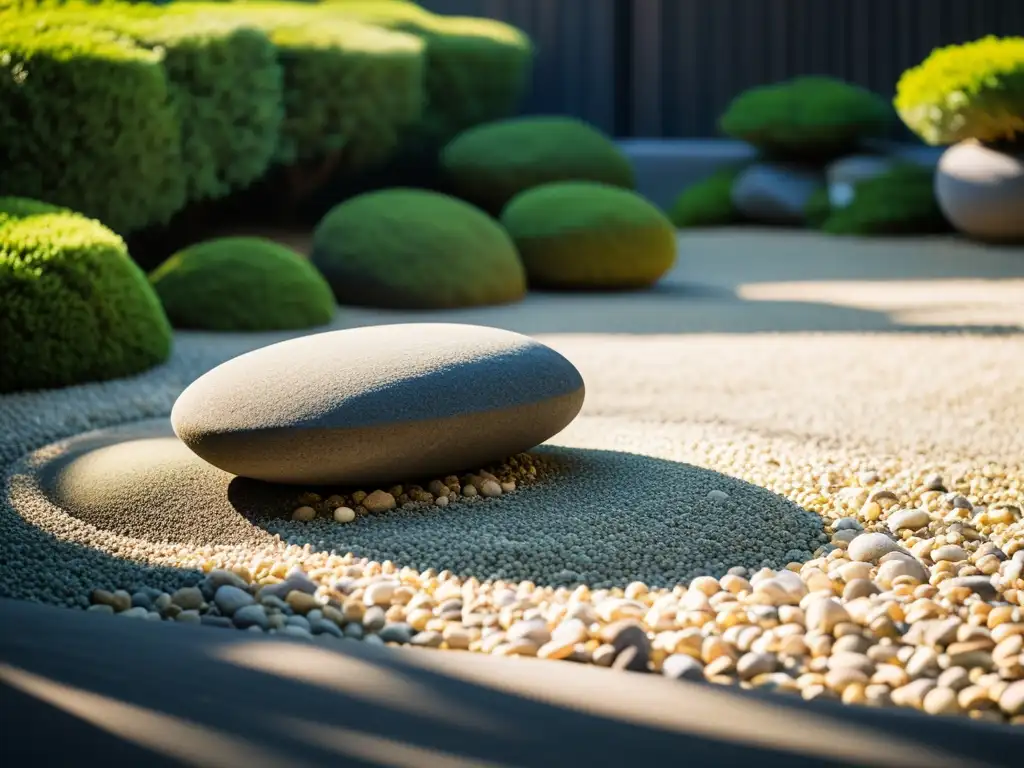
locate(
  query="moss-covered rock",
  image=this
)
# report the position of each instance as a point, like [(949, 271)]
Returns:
[(414, 249), (242, 284), (587, 235), (972, 91), (708, 203), (74, 307), (899, 202), (807, 118), (490, 164)]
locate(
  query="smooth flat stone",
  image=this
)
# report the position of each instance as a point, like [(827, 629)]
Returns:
[(379, 403), (776, 193)]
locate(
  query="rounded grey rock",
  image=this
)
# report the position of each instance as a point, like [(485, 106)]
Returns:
[(981, 191), (378, 403), (775, 193), (230, 599), (251, 616)]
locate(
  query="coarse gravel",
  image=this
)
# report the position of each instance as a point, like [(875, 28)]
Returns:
[(907, 446)]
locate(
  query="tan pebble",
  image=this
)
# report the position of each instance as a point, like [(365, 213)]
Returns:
[(715, 647), (823, 614), (469, 491), (490, 489), (456, 637), (603, 655), (847, 660), (379, 501), (950, 552), (353, 609), (912, 694), (838, 679), (854, 570), (1005, 653), (974, 697), (751, 665), (1002, 631), (301, 602), (876, 695), (304, 514), (380, 593), (890, 675), (941, 701), (344, 515), (1011, 700), (556, 650), (904, 566), (723, 665)]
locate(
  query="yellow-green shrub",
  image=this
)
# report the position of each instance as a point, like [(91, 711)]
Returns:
[(972, 91)]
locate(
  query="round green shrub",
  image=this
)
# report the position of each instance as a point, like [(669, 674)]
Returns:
[(414, 249), (242, 284), (900, 202), (577, 234), (807, 118), (972, 91), (707, 203), (490, 164), (74, 307), (88, 122)]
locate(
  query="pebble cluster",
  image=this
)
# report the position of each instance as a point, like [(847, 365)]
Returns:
[(913, 598), (345, 506)]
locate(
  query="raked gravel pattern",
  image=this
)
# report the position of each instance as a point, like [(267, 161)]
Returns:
[(908, 447)]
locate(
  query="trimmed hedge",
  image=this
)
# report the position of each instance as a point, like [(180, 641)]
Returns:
[(578, 234), (477, 69), (490, 164), (900, 202), (972, 91), (349, 88), (708, 203), (807, 118), (414, 249), (88, 122), (226, 85), (74, 307), (242, 284)]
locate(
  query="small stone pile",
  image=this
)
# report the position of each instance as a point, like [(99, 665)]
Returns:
[(344, 507), (917, 601)]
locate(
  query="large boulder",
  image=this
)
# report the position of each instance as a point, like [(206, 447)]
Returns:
[(775, 193), (845, 173), (581, 235), (414, 249), (377, 404)]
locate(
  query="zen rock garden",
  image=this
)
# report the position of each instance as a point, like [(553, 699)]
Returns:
[(321, 377)]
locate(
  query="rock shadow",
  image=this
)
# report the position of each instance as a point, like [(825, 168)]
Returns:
[(599, 517)]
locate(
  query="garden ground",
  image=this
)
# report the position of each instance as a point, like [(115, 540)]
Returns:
[(791, 361)]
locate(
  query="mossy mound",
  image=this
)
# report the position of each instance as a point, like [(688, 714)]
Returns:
[(707, 203), (242, 284), (414, 249), (900, 202), (74, 307), (490, 164), (807, 118), (972, 91), (580, 235)]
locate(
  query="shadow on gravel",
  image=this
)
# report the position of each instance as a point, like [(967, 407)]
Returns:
[(133, 693), (599, 517)]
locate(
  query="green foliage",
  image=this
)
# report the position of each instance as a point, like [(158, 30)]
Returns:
[(707, 203), (74, 307), (226, 86), (818, 208), (349, 88), (477, 70), (87, 122), (577, 234), (900, 202), (242, 284), (413, 249), (807, 118), (490, 164), (972, 91)]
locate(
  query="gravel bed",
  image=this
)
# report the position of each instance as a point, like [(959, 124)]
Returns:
[(914, 600)]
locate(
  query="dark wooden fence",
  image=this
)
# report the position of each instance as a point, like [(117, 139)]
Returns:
[(650, 68)]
